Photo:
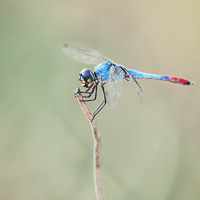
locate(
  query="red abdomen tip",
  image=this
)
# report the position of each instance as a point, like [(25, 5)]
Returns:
[(181, 81)]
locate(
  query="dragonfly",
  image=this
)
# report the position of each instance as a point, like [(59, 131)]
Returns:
[(110, 75)]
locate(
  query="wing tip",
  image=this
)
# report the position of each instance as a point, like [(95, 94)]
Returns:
[(65, 46)]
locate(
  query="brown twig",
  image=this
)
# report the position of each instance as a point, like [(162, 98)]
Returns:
[(97, 146)]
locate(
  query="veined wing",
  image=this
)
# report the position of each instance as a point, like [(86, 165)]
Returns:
[(113, 92), (137, 87), (93, 57), (114, 86), (98, 54)]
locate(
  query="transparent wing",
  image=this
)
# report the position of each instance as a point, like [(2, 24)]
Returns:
[(98, 54), (113, 92), (137, 87), (114, 86), (93, 57)]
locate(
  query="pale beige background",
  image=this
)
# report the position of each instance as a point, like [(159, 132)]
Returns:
[(148, 153)]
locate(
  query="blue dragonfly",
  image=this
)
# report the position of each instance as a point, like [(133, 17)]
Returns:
[(109, 75)]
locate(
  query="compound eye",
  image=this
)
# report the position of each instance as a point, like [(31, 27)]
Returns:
[(80, 78), (87, 75), (89, 79)]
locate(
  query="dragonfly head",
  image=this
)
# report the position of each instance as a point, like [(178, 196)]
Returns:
[(86, 78)]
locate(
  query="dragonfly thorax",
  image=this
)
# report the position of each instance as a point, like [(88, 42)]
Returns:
[(86, 78)]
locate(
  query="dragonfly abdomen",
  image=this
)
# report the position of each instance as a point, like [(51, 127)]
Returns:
[(177, 80), (138, 75)]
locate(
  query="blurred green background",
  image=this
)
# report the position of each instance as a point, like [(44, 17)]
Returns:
[(46, 146)]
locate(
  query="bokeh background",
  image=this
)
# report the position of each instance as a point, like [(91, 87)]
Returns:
[(46, 146)]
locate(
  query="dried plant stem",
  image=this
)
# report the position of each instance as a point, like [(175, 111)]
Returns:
[(97, 147)]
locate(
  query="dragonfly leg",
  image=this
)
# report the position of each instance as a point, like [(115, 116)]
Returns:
[(95, 96), (99, 108), (87, 92)]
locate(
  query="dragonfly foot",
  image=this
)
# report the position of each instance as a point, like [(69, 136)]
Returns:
[(77, 90)]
